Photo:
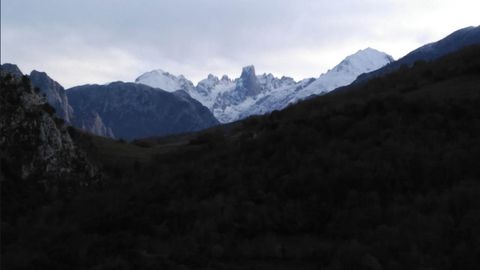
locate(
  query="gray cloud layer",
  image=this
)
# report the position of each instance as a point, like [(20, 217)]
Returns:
[(99, 41)]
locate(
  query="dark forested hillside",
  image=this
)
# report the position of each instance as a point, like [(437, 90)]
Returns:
[(379, 176)]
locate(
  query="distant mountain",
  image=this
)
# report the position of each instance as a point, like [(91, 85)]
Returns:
[(209, 88), (453, 42), (243, 92), (130, 110), (231, 100), (165, 81), (342, 74)]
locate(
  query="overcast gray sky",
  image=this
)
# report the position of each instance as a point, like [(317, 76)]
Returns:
[(98, 41)]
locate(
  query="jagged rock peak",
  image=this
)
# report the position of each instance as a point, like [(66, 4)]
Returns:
[(249, 81), (212, 77), (248, 71)]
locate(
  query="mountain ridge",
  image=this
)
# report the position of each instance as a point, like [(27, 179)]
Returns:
[(453, 42), (231, 100), (132, 111)]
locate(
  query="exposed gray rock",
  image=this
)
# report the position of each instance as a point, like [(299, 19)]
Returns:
[(11, 69), (248, 82), (54, 93), (93, 123), (36, 146)]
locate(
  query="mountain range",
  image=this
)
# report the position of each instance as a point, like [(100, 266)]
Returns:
[(121, 110), (160, 103), (252, 94)]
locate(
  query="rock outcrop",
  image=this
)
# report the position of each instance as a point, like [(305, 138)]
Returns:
[(34, 145), (54, 93)]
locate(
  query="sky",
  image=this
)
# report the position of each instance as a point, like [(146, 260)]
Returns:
[(99, 41)]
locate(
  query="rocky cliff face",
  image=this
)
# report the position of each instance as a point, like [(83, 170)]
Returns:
[(35, 145), (56, 96), (248, 82), (54, 93), (91, 121)]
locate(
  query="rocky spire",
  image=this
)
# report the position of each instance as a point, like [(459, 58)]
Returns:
[(249, 82)]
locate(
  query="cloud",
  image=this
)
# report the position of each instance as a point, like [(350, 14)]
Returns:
[(69, 59), (93, 41)]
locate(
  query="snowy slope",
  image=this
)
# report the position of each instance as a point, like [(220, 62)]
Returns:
[(165, 81), (343, 74), (236, 101), (231, 100), (454, 42), (347, 71), (207, 90)]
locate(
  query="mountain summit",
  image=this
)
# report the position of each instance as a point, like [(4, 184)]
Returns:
[(248, 81), (454, 42), (165, 81), (346, 71)]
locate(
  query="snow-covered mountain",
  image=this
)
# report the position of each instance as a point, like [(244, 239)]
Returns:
[(209, 89), (231, 100), (454, 42), (165, 81), (347, 71), (342, 74)]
